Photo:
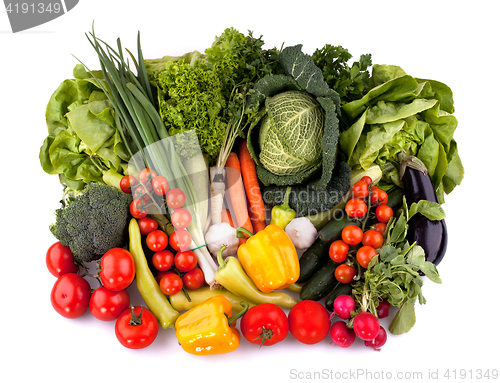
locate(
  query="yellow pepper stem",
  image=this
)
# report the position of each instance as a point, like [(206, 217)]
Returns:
[(239, 314), (241, 231)]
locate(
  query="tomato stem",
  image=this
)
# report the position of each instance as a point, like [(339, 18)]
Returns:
[(266, 334), (135, 320)]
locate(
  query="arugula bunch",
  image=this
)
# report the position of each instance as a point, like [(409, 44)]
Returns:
[(395, 273)]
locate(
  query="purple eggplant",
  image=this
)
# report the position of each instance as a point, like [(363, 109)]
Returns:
[(431, 235)]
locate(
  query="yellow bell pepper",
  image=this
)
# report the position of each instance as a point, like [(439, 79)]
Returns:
[(270, 259), (209, 328)]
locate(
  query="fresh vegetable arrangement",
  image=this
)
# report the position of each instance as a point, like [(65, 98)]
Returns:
[(289, 194)]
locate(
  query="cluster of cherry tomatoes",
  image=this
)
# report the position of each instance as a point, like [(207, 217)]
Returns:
[(358, 246)]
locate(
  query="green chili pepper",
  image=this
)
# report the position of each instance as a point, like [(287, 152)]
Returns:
[(282, 215)]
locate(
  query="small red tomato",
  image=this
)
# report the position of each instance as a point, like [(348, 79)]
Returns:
[(171, 284), (180, 240), (146, 176), (161, 274), (160, 185), (70, 295), (384, 213), (352, 234), (157, 240), (373, 238), (265, 324), (338, 251), (364, 255), (147, 225), (141, 192), (139, 208), (107, 305), (309, 322), (175, 198), (117, 269), (379, 196), (163, 260), (345, 273), (360, 190), (366, 179), (356, 207), (193, 279), (60, 260), (127, 183), (136, 328), (380, 227), (181, 218), (185, 261)]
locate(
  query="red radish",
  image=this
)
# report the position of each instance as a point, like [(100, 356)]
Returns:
[(343, 305), (366, 325), (341, 335), (379, 340), (383, 309)]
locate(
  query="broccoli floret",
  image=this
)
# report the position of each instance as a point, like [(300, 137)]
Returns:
[(93, 222), (307, 201)]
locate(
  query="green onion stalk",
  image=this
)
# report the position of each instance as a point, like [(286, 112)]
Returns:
[(136, 115)]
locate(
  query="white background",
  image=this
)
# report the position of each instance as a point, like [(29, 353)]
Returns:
[(453, 42)]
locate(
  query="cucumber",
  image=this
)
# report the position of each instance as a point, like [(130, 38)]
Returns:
[(333, 229), (340, 289), (312, 259), (321, 282)]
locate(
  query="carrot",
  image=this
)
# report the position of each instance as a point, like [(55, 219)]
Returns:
[(237, 193), (226, 217), (251, 182), (257, 224)]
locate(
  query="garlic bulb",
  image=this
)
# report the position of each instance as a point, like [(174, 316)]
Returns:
[(302, 232), (222, 234)]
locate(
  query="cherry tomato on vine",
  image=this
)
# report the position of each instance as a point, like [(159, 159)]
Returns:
[(265, 324), (345, 273), (356, 207), (180, 240), (180, 218), (364, 255), (384, 213), (170, 284), (117, 269), (380, 227), (373, 238), (366, 179), (127, 183), (70, 295), (338, 251), (352, 234), (138, 208), (185, 261), (193, 279), (360, 189), (60, 260), (146, 176), (160, 185), (147, 225), (163, 260), (161, 274), (309, 322), (157, 240), (379, 196), (136, 328), (175, 198), (107, 305), (141, 192)]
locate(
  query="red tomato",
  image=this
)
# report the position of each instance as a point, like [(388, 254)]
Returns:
[(181, 218), (146, 176), (175, 198), (364, 255), (338, 251), (383, 213), (380, 227), (60, 260), (360, 190), (379, 196), (141, 192), (117, 269), (185, 261), (265, 324), (107, 305), (157, 240), (136, 328), (127, 183), (160, 185), (373, 238), (193, 279), (309, 322), (366, 179), (139, 208), (70, 295), (171, 284), (352, 234), (345, 273), (163, 260), (147, 225), (180, 240), (356, 207), (161, 274)]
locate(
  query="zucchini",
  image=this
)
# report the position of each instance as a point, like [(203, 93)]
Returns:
[(333, 229), (312, 259), (340, 289), (321, 282)]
